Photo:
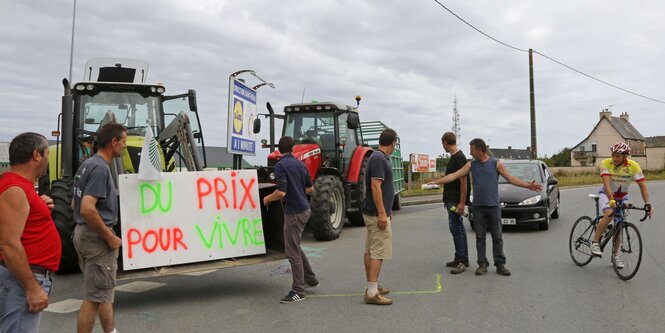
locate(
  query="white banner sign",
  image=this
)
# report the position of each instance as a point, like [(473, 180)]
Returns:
[(190, 217), (242, 112), (419, 163)]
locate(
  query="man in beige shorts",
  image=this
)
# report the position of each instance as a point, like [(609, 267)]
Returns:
[(377, 213), (96, 212)]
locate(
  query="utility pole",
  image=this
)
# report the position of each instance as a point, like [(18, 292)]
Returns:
[(456, 128), (534, 150)]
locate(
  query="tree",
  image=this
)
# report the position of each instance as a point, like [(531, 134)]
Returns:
[(560, 159)]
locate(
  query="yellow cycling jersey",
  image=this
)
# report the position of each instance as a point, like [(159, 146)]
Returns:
[(620, 176)]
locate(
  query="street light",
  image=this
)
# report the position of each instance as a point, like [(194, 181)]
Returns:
[(71, 50)]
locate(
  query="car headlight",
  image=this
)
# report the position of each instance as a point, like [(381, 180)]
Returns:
[(530, 201)]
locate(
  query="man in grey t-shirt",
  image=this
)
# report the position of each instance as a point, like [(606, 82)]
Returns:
[(377, 212), (95, 213)]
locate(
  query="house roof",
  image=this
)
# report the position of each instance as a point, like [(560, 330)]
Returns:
[(655, 141), (624, 127), (510, 153)]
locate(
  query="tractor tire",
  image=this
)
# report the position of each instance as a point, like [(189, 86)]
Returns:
[(356, 215), (63, 217), (327, 204), (397, 203)]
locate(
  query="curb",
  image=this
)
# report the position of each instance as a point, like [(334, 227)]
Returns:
[(423, 202)]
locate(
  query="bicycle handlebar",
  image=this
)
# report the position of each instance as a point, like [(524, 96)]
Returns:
[(630, 206)]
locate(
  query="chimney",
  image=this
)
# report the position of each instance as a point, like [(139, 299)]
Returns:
[(625, 117), (528, 148), (510, 147), (605, 113)]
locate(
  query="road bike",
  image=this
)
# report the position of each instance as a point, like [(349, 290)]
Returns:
[(630, 248)]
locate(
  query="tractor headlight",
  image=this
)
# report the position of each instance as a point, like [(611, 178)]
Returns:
[(160, 90), (530, 201), (80, 87), (90, 87), (271, 175)]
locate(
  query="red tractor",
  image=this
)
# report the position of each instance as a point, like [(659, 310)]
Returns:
[(329, 141)]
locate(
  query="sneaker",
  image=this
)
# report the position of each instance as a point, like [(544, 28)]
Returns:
[(502, 270), (458, 269), (455, 262), (617, 262), (482, 269), (378, 299), (292, 297), (383, 291), (595, 249), (312, 285)]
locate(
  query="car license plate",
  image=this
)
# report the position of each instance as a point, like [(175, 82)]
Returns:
[(508, 221)]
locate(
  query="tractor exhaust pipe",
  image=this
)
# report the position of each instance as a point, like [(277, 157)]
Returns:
[(271, 112), (67, 131)]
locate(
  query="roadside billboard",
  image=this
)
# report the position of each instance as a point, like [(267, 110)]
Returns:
[(419, 163)]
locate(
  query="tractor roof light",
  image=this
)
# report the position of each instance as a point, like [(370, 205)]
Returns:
[(153, 89), (319, 107), (80, 87), (328, 107), (161, 90), (90, 87)]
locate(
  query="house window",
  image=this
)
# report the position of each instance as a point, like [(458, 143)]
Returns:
[(593, 147), (583, 163), (582, 148)]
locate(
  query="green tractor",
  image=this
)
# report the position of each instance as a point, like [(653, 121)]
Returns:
[(114, 90)]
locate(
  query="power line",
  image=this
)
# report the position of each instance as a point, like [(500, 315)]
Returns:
[(549, 58)]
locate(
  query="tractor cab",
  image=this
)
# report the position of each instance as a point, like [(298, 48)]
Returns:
[(327, 132)]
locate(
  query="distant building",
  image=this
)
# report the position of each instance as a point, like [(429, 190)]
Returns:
[(655, 153), (510, 153), (4, 157), (608, 131)]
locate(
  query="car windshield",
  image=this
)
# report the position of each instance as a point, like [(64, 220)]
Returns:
[(524, 171)]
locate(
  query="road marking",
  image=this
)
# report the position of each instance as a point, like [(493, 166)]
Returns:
[(139, 286), (438, 288), (66, 306), (199, 273)]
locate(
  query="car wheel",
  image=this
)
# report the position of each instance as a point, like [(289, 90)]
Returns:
[(555, 213), (545, 224)]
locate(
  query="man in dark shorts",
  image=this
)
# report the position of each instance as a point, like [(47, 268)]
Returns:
[(377, 213), (293, 184), (30, 247), (96, 212)]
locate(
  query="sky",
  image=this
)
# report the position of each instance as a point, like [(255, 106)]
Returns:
[(408, 60)]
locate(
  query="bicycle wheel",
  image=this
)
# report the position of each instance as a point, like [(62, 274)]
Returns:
[(579, 244), (630, 252)]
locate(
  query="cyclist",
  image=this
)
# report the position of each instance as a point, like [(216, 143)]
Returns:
[(617, 173)]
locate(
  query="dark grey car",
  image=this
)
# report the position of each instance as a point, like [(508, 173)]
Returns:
[(521, 206)]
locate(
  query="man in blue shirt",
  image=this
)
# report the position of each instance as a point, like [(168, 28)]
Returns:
[(293, 184)]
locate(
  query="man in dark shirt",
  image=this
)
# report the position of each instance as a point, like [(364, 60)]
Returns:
[(96, 212), (293, 184), (455, 197), (377, 213)]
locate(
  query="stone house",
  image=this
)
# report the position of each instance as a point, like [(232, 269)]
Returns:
[(648, 152)]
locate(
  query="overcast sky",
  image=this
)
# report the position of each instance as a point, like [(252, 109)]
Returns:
[(407, 59)]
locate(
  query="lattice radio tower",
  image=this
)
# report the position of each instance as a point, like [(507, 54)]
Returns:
[(456, 128)]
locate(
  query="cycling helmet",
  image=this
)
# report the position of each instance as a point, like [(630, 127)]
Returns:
[(620, 148)]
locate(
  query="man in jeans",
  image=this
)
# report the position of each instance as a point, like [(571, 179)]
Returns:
[(293, 184), (455, 197), (377, 213), (96, 212), (486, 209), (29, 242)]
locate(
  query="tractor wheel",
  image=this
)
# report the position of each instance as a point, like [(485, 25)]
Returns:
[(356, 215), (327, 208), (397, 203), (63, 217)]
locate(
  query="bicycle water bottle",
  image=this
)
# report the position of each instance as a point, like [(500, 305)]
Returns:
[(454, 209)]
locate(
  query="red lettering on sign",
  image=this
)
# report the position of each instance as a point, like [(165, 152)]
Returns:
[(248, 192), (151, 239), (220, 193), (201, 194)]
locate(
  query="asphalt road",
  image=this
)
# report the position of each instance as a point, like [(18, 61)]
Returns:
[(546, 293)]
